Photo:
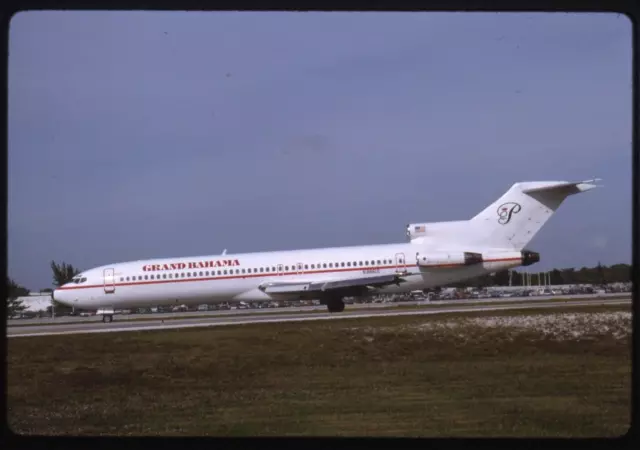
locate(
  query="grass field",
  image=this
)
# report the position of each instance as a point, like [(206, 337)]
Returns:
[(556, 372)]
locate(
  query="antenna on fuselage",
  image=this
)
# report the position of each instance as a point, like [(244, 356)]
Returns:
[(224, 252)]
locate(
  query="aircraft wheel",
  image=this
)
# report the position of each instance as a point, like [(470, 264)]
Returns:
[(335, 305), (107, 318)]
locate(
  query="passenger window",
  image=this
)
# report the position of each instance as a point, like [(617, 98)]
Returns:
[(313, 266), (146, 277), (306, 266), (378, 262), (225, 272), (266, 269), (164, 276), (324, 265), (243, 271)]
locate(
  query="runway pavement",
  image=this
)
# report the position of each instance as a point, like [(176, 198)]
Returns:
[(220, 320), (192, 314)]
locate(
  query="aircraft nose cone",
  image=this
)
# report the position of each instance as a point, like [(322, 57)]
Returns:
[(59, 296)]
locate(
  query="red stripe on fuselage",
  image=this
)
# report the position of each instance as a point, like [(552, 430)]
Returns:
[(269, 274)]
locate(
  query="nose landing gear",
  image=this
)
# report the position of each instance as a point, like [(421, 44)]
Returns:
[(106, 313)]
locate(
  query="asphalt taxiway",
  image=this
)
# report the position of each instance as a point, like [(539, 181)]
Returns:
[(388, 305), (230, 319)]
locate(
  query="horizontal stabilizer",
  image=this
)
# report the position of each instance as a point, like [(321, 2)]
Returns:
[(571, 188)]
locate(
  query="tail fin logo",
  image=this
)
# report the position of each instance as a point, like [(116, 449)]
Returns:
[(506, 211)]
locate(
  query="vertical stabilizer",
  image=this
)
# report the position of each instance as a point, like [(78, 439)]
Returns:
[(515, 218)]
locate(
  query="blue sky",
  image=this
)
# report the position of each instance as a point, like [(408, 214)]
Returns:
[(136, 135)]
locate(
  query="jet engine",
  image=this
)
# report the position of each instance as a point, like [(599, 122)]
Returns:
[(529, 257), (415, 230), (449, 259)]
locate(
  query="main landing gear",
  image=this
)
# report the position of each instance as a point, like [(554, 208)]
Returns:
[(335, 305), (106, 313)]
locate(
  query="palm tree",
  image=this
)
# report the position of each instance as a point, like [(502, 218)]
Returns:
[(63, 273)]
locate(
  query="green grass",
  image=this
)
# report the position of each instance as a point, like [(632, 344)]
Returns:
[(284, 311), (358, 377)]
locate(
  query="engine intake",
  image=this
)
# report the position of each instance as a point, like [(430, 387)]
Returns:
[(415, 230)]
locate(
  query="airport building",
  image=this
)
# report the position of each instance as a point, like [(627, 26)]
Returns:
[(36, 304)]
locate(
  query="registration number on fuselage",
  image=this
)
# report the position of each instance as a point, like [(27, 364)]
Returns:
[(371, 271)]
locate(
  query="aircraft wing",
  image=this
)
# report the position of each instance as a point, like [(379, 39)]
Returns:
[(344, 287)]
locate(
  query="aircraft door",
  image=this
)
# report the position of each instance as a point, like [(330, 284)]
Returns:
[(400, 261), (109, 281), (299, 268), (280, 269)]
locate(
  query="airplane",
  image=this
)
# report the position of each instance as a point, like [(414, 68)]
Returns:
[(434, 254)]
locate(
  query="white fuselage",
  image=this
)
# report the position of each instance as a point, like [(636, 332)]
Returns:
[(235, 278), (438, 253)]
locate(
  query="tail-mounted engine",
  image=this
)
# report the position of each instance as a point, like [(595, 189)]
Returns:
[(415, 230), (529, 257), (448, 259)]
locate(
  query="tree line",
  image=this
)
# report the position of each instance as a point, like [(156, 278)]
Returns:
[(618, 273), (598, 275)]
